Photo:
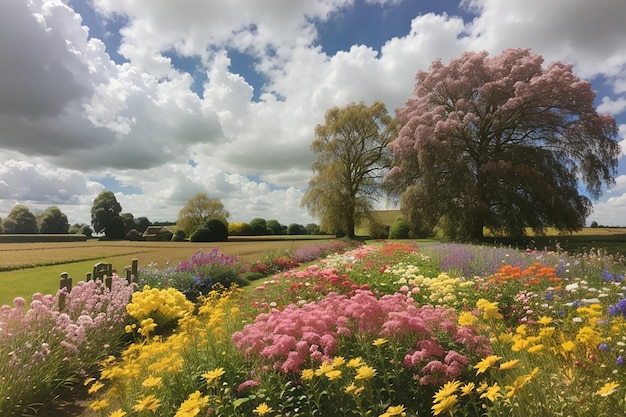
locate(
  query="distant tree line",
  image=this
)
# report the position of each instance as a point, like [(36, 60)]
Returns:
[(201, 219)]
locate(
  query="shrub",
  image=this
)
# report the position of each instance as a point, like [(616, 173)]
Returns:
[(133, 235), (178, 236), (202, 234), (240, 229), (45, 350), (400, 228), (219, 231)]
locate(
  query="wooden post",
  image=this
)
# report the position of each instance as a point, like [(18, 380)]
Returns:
[(131, 272), (64, 283)]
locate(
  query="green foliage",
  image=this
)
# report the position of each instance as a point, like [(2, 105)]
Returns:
[(219, 230), (20, 220), (400, 229), (105, 216), (259, 226), (129, 221), (312, 228), (296, 229), (178, 236), (198, 210), (202, 234), (141, 224), (275, 227), (352, 155), (52, 220)]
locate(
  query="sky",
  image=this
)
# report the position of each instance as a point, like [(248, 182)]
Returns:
[(160, 100)]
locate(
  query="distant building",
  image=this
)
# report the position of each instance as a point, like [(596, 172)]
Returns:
[(160, 233)]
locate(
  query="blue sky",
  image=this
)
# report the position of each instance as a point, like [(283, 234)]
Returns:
[(157, 102)]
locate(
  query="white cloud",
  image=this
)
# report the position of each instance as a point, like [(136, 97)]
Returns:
[(73, 114), (611, 106)]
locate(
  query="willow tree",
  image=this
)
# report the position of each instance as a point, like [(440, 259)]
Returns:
[(503, 143), (199, 210), (352, 157)]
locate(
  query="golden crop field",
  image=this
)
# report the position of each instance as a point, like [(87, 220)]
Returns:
[(26, 268), (27, 255)]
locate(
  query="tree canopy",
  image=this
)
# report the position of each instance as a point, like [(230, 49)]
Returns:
[(352, 154), (501, 143), (105, 216), (198, 210), (20, 220), (52, 220)]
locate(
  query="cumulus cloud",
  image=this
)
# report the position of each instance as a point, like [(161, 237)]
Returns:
[(71, 114)]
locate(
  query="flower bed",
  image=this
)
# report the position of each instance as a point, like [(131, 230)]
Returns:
[(384, 329)]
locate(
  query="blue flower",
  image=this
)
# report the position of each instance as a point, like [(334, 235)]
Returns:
[(619, 360), (603, 346)]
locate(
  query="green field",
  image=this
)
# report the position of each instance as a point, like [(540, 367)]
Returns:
[(28, 268)]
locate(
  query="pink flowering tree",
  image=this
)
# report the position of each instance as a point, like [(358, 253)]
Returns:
[(501, 142)]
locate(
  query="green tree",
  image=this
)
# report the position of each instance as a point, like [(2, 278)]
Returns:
[(312, 228), (352, 157), (198, 210), (141, 224), (259, 226), (501, 143), (296, 229), (400, 228), (105, 216), (20, 220), (52, 220), (129, 221), (274, 227)]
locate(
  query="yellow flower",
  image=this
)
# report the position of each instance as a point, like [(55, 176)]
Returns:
[(95, 387), (365, 372), (150, 403), (353, 389), (535, 349), (152, 381), (568, 346), (607, 389), (444, 405), (466, 319), (325, 367), (262, 409), (446, 390), (212, 376), (545, 320), (338, 361), (356, 362), (118, 413), (467, 389), (192, 405), (379, 342), (486, 363), (588, 336), (394, 410), (334, 374), (307, 374), (492, 393), (98, 405), (519, 382), (490, 309), (509, 364)]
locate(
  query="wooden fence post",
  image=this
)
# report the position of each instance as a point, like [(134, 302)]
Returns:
[(131, 271), (64, 283)]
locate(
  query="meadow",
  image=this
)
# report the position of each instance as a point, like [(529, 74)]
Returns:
[(388, 328), (27, 268)]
